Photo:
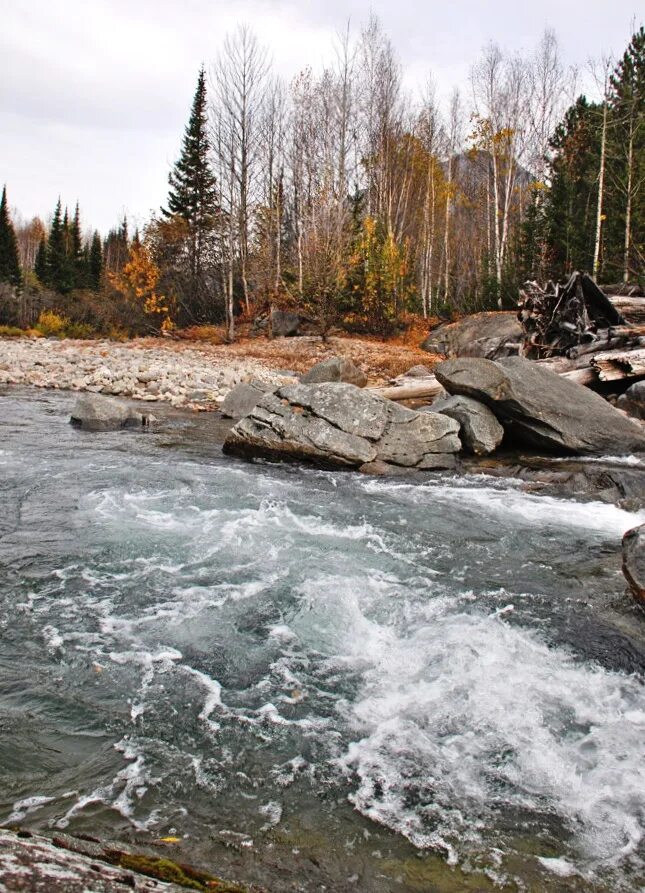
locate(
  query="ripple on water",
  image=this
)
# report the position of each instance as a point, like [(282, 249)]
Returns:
[(278, 635)]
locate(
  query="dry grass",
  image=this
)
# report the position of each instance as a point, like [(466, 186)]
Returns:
[(381, 360)]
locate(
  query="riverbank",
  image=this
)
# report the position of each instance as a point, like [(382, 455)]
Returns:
[(184, 373)]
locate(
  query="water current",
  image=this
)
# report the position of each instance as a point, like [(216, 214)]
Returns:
[(315, 680)]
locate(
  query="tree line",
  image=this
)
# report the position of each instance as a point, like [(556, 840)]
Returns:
[(344, 196)]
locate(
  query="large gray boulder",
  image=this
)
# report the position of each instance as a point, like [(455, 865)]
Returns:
[(241, 399), (335, 369), (634, 562), (285, 323), (94, 412), (541, 409), (490, 335), (633, 400), (335, 423), (480, 432)]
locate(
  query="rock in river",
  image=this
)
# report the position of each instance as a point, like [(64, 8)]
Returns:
[(480, 432), (97, 413), (338, 424), (541, 409), (634, 562), (241, 399)]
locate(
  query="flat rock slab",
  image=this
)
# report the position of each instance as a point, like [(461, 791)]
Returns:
[(93, 412), (339, 424), (33, 864), (541, 409), (242, 398)]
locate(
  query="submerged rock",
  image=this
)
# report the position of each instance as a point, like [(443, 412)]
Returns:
[(335, 423), (489, 334), (541, 409), (335, 369), (480, 432), (634, 562), (241, 399), (93, 412)]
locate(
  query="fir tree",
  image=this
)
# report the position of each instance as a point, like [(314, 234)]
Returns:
[(96, 262), (9, 262), (41, 265), (192, 195), (59, 272), (570, 210), (624, 246), (75, 251)]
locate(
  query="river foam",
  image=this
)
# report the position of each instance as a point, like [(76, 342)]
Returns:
[(228, 648)]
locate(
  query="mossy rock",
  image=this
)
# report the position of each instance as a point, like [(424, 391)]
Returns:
[(172, 872)]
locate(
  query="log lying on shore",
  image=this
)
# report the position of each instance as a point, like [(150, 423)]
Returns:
[(631, 308), (586, 371), (613, 365), (426, 387)]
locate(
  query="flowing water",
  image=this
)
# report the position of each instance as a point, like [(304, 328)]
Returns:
[(316, 680)]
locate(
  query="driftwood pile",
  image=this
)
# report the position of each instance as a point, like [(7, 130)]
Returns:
[(563, 316), (583, 333), (573, 328)]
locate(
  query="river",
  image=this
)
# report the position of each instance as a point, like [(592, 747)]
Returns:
[(314, 680)]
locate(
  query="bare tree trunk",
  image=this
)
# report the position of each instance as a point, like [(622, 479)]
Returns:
[(628, 207), (601, 190)]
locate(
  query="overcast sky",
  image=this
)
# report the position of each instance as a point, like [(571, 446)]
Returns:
[(94, 95)]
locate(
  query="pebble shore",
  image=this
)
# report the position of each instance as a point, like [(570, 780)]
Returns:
[(179, 377)]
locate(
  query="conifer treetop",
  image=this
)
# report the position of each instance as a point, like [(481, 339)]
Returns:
[(9, 261), (192, 183)]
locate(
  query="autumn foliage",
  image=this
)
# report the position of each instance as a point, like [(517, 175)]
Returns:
[(138, 283)]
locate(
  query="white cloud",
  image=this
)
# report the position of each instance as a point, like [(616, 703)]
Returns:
[(94, 95)]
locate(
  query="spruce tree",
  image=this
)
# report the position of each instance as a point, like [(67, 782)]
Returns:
[(570, 208), (624, 237), (59, 272), (96, 262), (41, 265), (192, 195), (9, 262), (75, 251)]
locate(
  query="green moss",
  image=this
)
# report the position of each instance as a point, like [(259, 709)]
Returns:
[(172, 872)]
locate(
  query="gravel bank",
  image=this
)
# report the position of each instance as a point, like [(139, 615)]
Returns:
[(181, 378)]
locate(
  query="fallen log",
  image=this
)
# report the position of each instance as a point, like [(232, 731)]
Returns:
[(630, 307), (586, 370), (429, 387), (613, 365), (585, 376), (621, 337)]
